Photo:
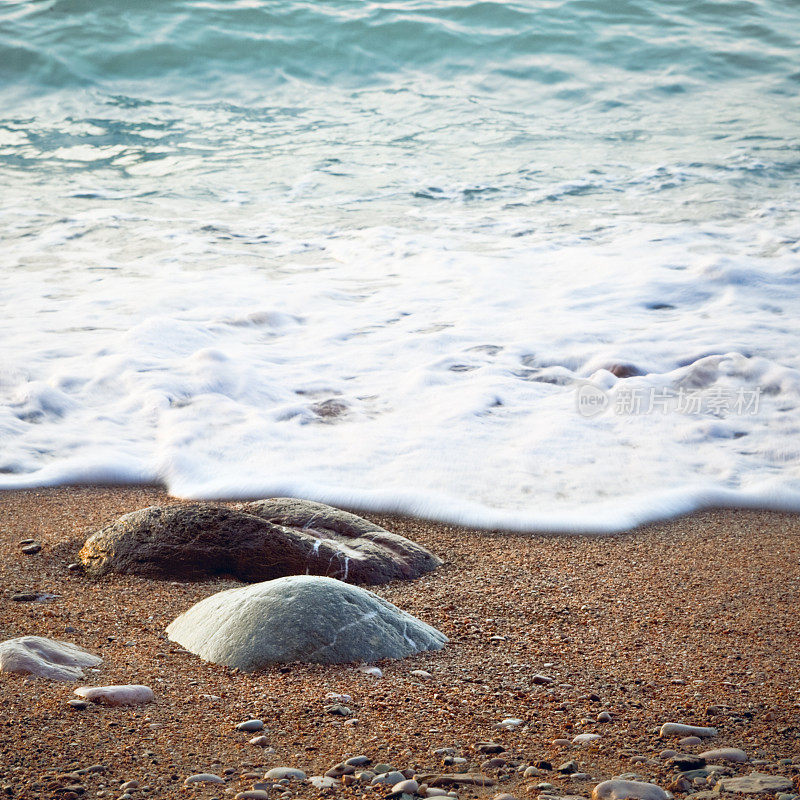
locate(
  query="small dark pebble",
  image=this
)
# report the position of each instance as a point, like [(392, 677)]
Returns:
[(31, 549), (79, 705), (25, 597)]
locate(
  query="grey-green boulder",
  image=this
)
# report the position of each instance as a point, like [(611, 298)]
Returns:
[(300, 618)]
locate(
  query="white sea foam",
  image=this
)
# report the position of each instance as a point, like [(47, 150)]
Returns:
[(419, 379)]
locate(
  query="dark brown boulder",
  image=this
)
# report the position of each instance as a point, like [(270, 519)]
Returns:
[(253, 542)]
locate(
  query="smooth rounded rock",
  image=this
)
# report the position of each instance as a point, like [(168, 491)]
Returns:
[(251, 726), (45, 658), (388, 778), (253, 542), (409, 786), (627, 790), (120, 695), (731, 754), (756, 783), (290, 773), (679, 729), (252, 794), (203, 777), (322, 782), (585, 738), (300, 618)]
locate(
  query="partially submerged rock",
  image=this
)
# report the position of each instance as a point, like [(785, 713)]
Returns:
[(45, 658), (253, 542), (300, 618), (120, 695)]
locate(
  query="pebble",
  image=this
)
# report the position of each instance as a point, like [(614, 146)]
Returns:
[(203, 777), (340, 698), (627, 790), (604, 716), (339, 770), (678, 729), (421, 673), (462, 779), (510, 723), (504, 796), (251, 726), (281, 773), (531, 772), (665, 754), (78, 705), (259, 741), (686, 762), (358, 761), (409, 786), (129, 785), (690, 741), (123, 695), (374, 671), (561, 742), (322, 782), (756, 783), (338, 709), (489, 747), (542, 680), (380, 768), (252, 794), (585, 738), (732, 754), (433, 791), (389, 778), (568, 767), (31, 549)]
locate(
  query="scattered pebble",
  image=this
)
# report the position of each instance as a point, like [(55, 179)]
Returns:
[(585, 738), (290, 773), (627, 790), (122, 695), (203, 777), (732, 754), (678, 729), (756, 783), (251, 726)]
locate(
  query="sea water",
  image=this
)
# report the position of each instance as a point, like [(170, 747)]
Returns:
[(526, 264)]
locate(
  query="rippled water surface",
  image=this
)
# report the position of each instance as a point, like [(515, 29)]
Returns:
[(369, 253)]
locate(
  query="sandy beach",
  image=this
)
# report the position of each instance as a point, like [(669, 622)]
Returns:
[(693, 620)]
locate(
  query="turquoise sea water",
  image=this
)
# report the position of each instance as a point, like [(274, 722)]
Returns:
[(434, 218)]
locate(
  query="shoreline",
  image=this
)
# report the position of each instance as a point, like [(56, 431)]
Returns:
[(690, 620)]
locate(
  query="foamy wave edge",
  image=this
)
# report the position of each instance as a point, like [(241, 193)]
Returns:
[(615, 515)]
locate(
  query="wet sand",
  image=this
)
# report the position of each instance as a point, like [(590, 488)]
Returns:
[(692, 620)]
